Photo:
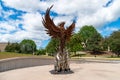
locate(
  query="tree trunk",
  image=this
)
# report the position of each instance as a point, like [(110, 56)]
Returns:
[(61, 61)]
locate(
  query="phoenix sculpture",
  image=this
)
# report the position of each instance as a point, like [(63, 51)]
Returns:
[(63, 35)]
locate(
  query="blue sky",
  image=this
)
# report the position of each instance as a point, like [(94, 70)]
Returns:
[(21, 19)]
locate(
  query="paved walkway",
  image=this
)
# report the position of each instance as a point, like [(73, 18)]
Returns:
[(82, 71)]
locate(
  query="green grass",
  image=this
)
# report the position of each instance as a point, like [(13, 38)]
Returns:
[(91, 55), (4, 55), (102, 56)]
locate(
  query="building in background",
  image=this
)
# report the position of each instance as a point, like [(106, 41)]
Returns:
[(2, 46)]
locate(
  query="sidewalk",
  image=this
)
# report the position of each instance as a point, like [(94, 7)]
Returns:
[(83, 71)]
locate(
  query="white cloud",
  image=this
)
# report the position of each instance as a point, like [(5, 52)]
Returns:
[(22, 4), (8, 13), (5, 14), (6, 27), (80, 6), (102, 15), (108, 30), (67, 19), (32, 21), (88, 12), (111, 29), (29, 5)]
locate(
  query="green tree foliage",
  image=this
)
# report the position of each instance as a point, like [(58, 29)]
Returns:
[(90, 38), (27, 46), (87, 32), (52, 46), (105, 44), (12, 47), (95, 43), (75, 43), (114, 42), (41, 51)]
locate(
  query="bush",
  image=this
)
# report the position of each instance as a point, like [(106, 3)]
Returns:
[(12, 47), (41, 52)]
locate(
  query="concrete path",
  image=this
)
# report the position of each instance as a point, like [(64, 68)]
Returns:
[(82, 71)]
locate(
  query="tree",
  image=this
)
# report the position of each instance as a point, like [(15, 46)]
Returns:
[(41, 51), (115, 46), (12, 47), (27, 46), (52, 46), (114, 42), (90, 38), (8, 47), (95, 43), (106, 44), (75, 43)]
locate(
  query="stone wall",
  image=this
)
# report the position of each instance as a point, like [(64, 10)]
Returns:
[(15, 63)]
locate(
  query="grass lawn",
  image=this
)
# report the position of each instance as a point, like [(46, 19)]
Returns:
[(4, 55), (102, 56)]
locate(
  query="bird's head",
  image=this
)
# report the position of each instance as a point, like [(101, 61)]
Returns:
[(61, 24)]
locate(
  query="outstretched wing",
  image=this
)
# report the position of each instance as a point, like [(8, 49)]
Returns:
[(48, 23), (69, 31)]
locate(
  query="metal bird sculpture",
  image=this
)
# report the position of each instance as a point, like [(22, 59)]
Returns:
[(57, 31)]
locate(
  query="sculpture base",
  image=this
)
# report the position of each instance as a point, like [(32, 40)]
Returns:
[(62, 62), (61, 72)]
